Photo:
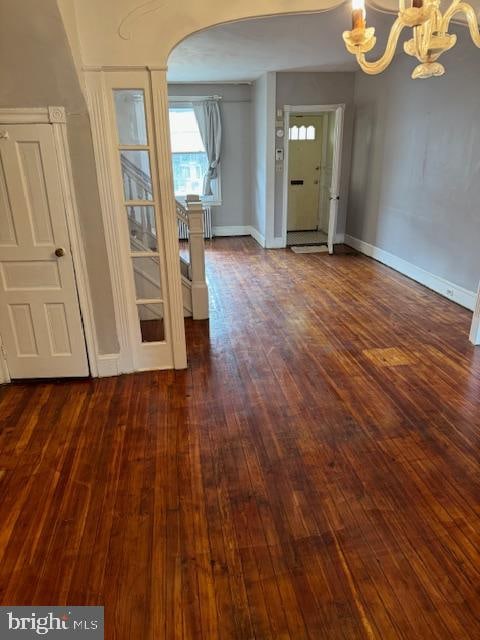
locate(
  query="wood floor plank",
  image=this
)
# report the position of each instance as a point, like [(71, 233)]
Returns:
[(313, 474)]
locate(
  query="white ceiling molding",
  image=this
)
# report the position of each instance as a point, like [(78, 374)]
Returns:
[(133, 33)]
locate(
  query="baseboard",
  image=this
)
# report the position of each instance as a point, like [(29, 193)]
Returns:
[(256, 235), (276, 243), (232, 231), (108, 365), (240, 230), (248, 230), (445, 288)]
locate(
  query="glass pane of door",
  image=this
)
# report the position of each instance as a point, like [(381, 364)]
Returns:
[(146, 272), (151, 321), (137, 176), (130, 112), (143, 229)]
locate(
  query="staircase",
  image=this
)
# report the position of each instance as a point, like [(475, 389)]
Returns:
[(143, 237)]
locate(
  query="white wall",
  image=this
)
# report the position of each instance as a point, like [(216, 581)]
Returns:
[(415, 182), (236, 149), (307, 88)]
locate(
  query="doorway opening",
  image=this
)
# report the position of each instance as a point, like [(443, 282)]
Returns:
[(313, 136)]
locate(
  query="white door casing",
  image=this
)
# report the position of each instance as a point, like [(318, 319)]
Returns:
[(146, 282), (336, 168), (40, 320), (475, 327), (339, 110)]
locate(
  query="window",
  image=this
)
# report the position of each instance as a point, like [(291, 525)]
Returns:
[(301, 133), (189, 160)]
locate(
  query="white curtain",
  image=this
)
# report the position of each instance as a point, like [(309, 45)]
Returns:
[(209, 121)]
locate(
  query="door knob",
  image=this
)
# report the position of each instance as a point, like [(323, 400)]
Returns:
[(60, 252)]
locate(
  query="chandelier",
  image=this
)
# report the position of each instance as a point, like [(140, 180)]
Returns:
[(430, 37)]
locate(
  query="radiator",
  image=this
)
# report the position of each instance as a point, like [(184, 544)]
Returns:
[(207, 222), (207, 225)]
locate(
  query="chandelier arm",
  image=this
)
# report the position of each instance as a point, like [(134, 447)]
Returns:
[(448, 15), (377, 66), (469, 13)]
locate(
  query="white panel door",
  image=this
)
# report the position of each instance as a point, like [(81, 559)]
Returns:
[(40, 320), (304, 158)]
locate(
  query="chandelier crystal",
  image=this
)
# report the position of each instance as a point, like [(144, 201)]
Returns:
[(430, 37)]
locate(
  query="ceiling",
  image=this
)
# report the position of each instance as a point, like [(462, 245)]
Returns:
[(242, 51)]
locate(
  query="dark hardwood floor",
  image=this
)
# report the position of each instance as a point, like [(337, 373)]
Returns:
[(313, 474)]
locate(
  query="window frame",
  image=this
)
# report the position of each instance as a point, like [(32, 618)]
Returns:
[(216, 199)]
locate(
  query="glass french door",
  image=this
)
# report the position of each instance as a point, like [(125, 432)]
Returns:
[(139, 218)]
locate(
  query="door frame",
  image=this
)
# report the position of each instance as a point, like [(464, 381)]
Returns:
[(57, 118), (106, 161), (339, 110)]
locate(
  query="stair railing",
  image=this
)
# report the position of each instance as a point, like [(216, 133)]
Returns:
[(190, 221)]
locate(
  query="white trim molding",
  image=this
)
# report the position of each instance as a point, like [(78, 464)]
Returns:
[(238, 230), (101, 140), (257, 236), (445, 288), (271, 97), (275, 243), (475, 328), (108, 365), (159, 89), (249, 230), (339, 110)]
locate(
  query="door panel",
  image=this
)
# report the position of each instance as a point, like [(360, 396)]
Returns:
[(40, 319), (304, 160), (8, 236), (33, 179)]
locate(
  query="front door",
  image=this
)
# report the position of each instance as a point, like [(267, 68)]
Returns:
[(304, 166), (40, 321)]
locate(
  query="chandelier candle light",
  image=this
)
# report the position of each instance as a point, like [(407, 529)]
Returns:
[(430, 35)]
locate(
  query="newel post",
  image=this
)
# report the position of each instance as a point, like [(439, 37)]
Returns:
[(197, 260)]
